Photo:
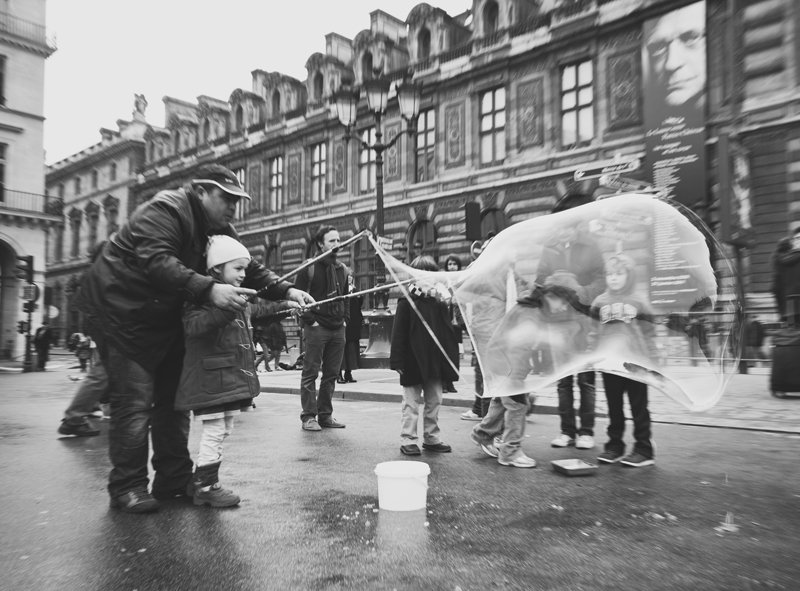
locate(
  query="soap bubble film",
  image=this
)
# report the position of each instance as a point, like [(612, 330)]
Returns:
[(630, 285)]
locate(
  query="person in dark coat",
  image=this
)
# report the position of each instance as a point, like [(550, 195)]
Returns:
[(42, 341), (133, 296), (786, 278), (352, 336), (452, 264), (420, 362)]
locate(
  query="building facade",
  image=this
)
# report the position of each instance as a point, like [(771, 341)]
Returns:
[(94, 186), (517, 96), (26, 213)]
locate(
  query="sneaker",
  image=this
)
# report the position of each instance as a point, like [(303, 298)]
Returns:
[(563, 440), (135, 501), (488, 448), (81, 430), (584, 442), (470, 416), (216, 496), (311, 425), (518, 460), (331, 423), (410, 450), (637, 460), (440, 447), (609, 457)]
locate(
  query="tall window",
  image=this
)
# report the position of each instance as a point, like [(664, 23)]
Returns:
[(493, 126), (75, 226), (3, 171), (239, 123), (366, 162), (176, 146), (77, 185), (2, 80), (58, 255), (112, 172), (426, 146), (207, 131), (319, 167), (93, 217), (112, 221), (577, 104), (242, 205), (276, 184), (490, 14), (424, 44), (276, 104), (366, 66), (94, 179), (318, 85)]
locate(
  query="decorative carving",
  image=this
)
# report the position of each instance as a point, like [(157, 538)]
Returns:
[(421, 212), (339, 166), (392, 154), (490, 200), (454, 93), (530, 100), (294, 178), (363, 222), (454, 134), (531, 67), (624, 81), (139, 106)]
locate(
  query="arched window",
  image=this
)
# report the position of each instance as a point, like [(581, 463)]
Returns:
[(490, 13), (276, 103), (366, 66), (424, 44), (422, 240), (112, 172), (239, 123), (176, 142), (207, 130), (318, 86)]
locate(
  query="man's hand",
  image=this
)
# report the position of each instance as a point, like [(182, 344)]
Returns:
[(299, 296), (229, 297)]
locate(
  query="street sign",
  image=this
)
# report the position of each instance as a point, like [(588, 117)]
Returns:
[(29, 292), (622, 183), (596, 172)]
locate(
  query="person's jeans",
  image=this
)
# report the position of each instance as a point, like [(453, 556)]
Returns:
[(428, 393), (566, 402), (142, 405), (90, 392), (615, 387), (506, 414), (323, 349)]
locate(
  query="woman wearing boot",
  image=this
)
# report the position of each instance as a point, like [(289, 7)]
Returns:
[(219, 375)]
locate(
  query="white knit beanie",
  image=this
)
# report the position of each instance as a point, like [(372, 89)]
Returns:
[(223, 249)]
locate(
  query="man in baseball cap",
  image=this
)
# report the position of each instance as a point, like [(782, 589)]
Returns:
[(221, 177)]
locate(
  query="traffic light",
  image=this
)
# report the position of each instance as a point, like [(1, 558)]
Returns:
[(21, 326), (29, 307), (25, 268)]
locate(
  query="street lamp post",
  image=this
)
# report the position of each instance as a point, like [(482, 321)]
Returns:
[(346, 100)]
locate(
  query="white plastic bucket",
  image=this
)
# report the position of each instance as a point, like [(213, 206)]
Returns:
[(402, 486)]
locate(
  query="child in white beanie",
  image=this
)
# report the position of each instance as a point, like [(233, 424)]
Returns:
[(219, 377)]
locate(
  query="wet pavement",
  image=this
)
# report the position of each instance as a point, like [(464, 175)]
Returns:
[(310, 516)]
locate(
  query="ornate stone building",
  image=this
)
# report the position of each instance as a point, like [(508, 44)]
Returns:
[(94, 186), (517, 95), (26, 212)]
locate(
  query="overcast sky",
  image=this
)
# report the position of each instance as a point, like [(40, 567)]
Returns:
[(109, 50)]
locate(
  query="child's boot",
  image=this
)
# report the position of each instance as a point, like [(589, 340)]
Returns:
[(208, 490)]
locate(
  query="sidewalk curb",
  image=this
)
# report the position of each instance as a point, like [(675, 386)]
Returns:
[(537, 409)]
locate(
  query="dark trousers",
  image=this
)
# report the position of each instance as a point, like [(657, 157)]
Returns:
[(143, 405), (637, 397), (323, 350), (566, 404), (41, 356), (481, 405)]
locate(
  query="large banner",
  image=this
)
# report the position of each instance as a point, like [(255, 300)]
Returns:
[(674, 66)]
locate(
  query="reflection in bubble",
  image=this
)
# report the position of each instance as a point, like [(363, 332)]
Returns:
[(630, 285)]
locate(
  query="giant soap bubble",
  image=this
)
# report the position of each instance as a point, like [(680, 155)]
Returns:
[(630, 285)]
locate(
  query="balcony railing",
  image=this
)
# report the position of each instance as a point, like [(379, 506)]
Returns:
[(29, 202), (28, 30)]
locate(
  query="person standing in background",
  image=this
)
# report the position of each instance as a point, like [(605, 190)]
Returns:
[(42, 341)]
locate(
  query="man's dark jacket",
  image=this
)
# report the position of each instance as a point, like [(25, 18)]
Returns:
[(135, 291), (786, 274), (329, 281)]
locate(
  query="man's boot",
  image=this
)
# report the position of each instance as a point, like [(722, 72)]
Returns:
[(208, 490)]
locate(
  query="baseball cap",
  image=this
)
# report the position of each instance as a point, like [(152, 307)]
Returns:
[(217, 175)]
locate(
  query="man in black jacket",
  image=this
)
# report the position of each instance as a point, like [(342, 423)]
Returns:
[(133, 296), (323, 332)]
